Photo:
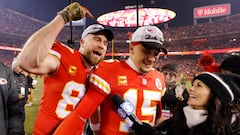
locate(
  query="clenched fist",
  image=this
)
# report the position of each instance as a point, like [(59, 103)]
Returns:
[(74, 12)]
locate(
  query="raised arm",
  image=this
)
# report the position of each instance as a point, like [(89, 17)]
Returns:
[(35, 57)]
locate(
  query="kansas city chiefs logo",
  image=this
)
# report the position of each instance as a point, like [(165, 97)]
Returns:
[(3, 81)]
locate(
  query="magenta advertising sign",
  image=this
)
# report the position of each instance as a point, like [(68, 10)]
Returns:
[(212, 11)]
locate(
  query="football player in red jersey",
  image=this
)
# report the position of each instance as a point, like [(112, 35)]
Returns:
[(133, 79), (65, 69)]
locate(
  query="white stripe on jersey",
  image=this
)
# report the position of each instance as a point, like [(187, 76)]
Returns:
[(100, 83)]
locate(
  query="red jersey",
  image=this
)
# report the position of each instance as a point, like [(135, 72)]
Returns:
[(110, 78), (144, 91), (61, 91)]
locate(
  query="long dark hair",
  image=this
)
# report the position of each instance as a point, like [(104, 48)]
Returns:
[(220, 118)]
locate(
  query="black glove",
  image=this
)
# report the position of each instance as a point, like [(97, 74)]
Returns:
[(74, 12), (144, 129)]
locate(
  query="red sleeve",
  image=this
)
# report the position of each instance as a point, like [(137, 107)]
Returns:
[(89, 103), (74, 123)]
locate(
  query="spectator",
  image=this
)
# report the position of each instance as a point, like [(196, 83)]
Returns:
[(134, 79), (65, 69), (231, 64), (30, 90), (8, 100), (211, 109), (173, 92), (20, 80)]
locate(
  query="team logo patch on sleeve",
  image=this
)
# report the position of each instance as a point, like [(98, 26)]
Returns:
[(158, 83)]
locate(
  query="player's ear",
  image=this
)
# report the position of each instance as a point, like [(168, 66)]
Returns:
[(130, 48), (81, 42)]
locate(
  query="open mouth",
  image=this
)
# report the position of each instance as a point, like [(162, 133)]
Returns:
[(192, 96), (147, 64), (97, 53)]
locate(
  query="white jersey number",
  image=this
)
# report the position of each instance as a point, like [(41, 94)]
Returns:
[(71, 95), (147, 109)]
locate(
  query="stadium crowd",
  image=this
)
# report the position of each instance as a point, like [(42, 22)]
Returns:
[(221, 33), (16, 28)]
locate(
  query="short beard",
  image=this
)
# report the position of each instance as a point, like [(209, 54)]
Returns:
[(90, 61)]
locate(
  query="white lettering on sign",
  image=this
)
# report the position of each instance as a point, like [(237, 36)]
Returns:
[(212, 11)]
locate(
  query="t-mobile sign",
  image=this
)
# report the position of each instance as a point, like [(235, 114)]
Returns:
[(212, 11)]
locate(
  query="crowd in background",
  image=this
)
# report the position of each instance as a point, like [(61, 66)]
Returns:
[(15, 28), (208, 90)]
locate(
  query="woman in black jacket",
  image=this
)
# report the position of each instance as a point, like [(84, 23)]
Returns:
[(211, 109)]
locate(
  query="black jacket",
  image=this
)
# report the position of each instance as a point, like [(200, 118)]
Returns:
[(169, 99), (177, 125), (8, 97), (16, 125)]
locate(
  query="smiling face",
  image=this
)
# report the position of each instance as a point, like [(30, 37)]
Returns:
[(199, 95), (144, 59), (94, 48)]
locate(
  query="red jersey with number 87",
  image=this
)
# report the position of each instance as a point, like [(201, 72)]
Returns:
[(62, 90)]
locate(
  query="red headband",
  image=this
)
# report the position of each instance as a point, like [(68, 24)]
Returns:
[(135, 43)]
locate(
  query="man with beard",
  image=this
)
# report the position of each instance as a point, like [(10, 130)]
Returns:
[(65, 69), (134, 79)]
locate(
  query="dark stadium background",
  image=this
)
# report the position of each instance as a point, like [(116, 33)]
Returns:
[(46, 9), (20, 18)]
